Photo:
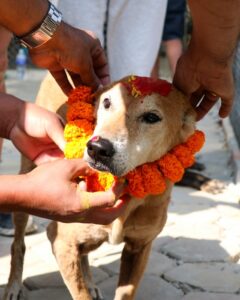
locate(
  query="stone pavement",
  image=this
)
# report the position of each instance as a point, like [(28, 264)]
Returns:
[(196, 257)]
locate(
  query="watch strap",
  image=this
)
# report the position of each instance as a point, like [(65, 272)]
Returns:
[(46, 30)]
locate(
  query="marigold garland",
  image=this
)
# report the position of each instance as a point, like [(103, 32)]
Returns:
[(146, 179)]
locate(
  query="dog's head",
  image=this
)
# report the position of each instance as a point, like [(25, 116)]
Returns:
[(131, 131)]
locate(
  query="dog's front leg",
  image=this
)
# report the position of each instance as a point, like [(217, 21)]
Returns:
[(133, 262), (68, 257), (14, 289)]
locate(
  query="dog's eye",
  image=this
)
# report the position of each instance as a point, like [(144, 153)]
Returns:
[(106, 103), (150, 118)]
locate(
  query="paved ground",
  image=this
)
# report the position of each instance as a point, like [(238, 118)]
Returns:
[(196, 257)]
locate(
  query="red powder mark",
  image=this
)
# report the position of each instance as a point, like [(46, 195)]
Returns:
[(146, 86)]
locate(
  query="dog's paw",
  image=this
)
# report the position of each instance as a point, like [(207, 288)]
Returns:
[(214, 186), (15, 292)]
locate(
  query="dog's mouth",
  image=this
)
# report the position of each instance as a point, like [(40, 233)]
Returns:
[(99, 166), (105, 167)]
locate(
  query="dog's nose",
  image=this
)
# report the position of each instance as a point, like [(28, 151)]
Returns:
[(99, 148)]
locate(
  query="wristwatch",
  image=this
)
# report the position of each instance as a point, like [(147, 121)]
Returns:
[(45, 31)]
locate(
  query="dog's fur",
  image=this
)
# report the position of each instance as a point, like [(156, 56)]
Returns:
[(136, 141)]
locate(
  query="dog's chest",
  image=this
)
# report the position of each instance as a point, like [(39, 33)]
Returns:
[(142, 219)]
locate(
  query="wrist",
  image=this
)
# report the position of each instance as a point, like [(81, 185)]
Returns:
[(11, 109), (216, 27), (45, 30), (12, 199), (20, 17)]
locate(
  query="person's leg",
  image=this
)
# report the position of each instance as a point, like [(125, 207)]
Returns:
[(174, 49), (5, 37), (173, 31), (134, 36)]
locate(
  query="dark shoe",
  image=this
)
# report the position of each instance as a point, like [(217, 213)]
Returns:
[(7, 226)]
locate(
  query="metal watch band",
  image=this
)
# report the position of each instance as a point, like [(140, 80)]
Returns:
[(45, 31)]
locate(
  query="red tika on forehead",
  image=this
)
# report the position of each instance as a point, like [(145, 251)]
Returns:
[(142, 86)]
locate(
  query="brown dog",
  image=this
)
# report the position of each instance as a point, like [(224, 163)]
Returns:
[(139, 132)]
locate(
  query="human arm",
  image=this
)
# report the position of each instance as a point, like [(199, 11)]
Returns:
[(36, 132), (71, 49), (51, 191), (205, 69)]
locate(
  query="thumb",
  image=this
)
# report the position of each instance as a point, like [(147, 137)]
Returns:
[(100, 199), (77, 167)]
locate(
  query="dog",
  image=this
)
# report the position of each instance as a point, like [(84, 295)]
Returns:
[(140, 131)]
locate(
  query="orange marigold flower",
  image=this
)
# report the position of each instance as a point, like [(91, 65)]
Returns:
[(171, 167), (195, 141), (154, 182), (81, 93), (80, 110), (135, 183), (92, 183), (184, 155), (78, 128), (75, 148)]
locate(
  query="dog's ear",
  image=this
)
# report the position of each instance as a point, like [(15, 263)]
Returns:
[(188, 123)]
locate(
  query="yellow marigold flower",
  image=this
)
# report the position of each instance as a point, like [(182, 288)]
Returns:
[(75, 148), (77, 129)]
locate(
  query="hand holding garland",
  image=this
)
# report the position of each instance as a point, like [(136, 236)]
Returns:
[(77, 51), (205, 70), (50, 190)]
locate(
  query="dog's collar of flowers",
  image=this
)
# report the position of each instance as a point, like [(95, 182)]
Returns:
[(147, 179)]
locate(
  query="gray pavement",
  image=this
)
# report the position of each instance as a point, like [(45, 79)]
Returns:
[(196, 257)]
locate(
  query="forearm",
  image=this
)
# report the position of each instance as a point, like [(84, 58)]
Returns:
[(216, 27), (22, 16), (10, 110), (10, 193)]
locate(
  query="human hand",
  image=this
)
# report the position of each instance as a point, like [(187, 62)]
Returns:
[(77, 51), (51, 191), (206, 78), (38, 133)]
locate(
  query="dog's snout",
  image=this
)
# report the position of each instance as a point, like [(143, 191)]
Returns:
[(100, 148)]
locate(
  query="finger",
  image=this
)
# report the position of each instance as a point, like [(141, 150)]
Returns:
[(55, 131), (75, 79), (62, 80), (77, 167), (82, 185), (100, 199), (111, 213), (48, 156), (100, 65), (196, 97), (104, 216), (206, 104), (88, 75), (103, 76), (226, 106)]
